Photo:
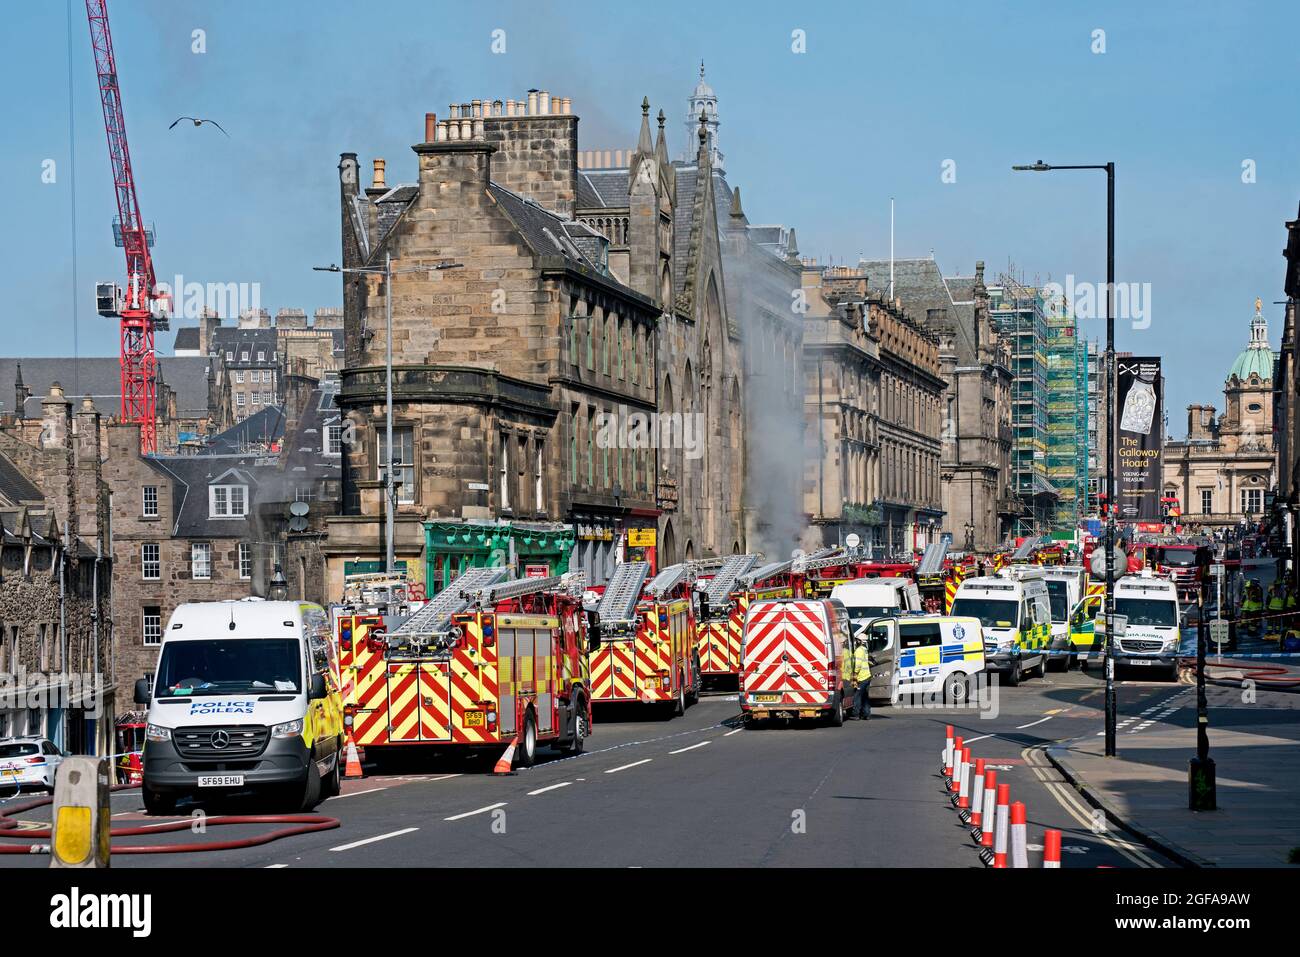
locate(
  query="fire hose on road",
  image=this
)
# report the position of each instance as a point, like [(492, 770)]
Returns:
[(299, 824)]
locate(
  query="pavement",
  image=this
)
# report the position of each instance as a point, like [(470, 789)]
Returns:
[(1253, 732)]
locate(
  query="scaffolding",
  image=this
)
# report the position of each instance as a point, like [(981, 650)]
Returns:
[(1019, 315), (1067, 419)]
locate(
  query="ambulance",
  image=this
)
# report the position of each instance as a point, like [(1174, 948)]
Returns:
[(1066, 585), (245, 697), (1152, 637), (1015, 612)]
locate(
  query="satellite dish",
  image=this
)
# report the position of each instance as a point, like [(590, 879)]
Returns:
[(298, 524), (299, 509)]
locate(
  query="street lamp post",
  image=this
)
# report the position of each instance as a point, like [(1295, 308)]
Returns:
[(1041, 167), (390, 490)]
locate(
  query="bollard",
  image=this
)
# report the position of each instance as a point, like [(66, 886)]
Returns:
[(1019, 837), (963, 790), (956, 755), (947, 751), (977, 794), (958, 772), (1051, 848), (990, 814), (82, 819), (1000, 829)]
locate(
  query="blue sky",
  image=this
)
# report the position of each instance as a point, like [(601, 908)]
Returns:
[(883, 95)]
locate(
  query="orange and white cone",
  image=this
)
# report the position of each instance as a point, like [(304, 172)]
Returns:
[(1051, 848), (506, 763), (990, 815), (977, 794), (947, 752), (353, 767), (963, 785), (1001, 825), (951, 770)]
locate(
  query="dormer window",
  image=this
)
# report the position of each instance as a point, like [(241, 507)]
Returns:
[(227, 501)]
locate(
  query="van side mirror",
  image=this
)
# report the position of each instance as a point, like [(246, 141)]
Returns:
[(317, 691), (142, 691), (704, 607)]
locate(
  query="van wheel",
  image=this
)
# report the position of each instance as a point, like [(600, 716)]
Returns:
[(956, 689), (308, 795), (697, 681), (836, 718), (334, 781), (1016, 673), (1041, 670), (526, 755), (679, 703), (157, 802)]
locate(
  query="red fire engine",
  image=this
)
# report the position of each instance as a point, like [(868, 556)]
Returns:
[(484, 663), (647, 646), (723, 600)]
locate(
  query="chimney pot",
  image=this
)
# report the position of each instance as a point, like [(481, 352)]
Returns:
[(478, 128), (532, 102), (544, 103), (566, 106), (378, 182), (466, 127), (476, 106), (510, 107), (453, 110), (430, 127), (496, 107), (453, 129), (442, 131)]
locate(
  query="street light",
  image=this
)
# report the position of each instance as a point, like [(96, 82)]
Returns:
[(1111, 498), (388, 272)]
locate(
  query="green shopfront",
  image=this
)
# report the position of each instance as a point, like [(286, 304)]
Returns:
[(533, 549)]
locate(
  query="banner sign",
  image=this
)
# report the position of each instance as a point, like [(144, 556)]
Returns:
[(1139, 391)]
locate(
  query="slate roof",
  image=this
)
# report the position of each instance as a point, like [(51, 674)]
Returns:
[(547, 233), (305, 450), (15, 489), (392, 204), (687, 181), (187, 338), (264, 426), (190, 476), (602, 187), (234, 340), (100, 377), (922, 287)]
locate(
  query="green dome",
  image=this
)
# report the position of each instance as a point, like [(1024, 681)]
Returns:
[(1253, 359)]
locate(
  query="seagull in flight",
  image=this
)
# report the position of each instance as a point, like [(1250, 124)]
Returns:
[(197, 122)]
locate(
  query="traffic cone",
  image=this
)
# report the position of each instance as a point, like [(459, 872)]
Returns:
[(963, 787), (1000, 827), (990, 815), (947, 752), (1019, 837), (977, 794), (1051, 848), (353, 767), (506, 763), (951, 770)]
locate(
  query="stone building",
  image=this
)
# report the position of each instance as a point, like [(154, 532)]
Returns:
[(1221, 472), (252, 363), (193, 399), (216, 525), (975, 429), (513, 370), (841, 393), (57, 673), (668, 226)]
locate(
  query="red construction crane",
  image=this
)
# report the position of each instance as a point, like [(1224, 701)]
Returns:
[(139, 307)]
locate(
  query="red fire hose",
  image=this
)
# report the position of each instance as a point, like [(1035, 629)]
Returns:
[(303, 824)]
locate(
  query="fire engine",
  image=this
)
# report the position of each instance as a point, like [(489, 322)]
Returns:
[(817, 574), (647, 647), (484, 663), (723, 600)]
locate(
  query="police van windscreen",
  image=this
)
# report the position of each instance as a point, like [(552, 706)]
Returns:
[(859, 612), (991, 612), (1148, 611), (1058, 595), (225, 666)]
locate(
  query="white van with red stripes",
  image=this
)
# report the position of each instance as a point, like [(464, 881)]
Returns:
[(794, 660)]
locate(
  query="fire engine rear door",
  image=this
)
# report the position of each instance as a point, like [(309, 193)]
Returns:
[(435, 701)]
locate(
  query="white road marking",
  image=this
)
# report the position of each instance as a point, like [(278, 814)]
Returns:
[(1032, 723), (372, 840), (973, 740), (272, 867), (690, 748), (553, 787), (355, 793), (730, 733), (482, 810), (632, 765)]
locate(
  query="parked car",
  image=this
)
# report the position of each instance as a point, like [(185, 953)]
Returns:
[(28, 763)]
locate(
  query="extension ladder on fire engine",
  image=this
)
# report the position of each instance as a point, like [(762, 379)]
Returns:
[(723, 583), (808, 563), (932, 561), (770, 570), (453, 599), (668, 579), (618, 603)]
